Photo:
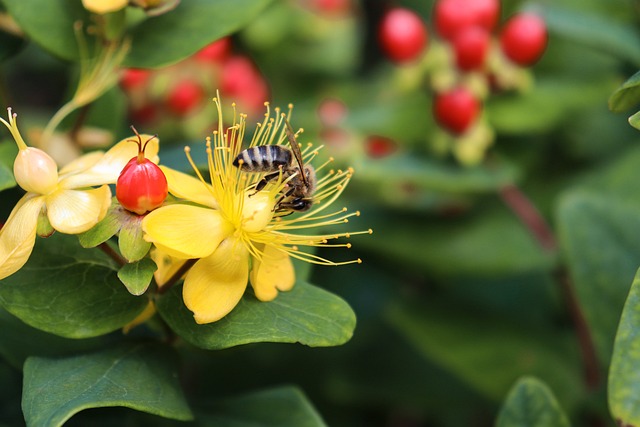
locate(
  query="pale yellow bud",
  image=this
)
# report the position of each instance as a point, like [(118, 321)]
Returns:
[(35, 171)]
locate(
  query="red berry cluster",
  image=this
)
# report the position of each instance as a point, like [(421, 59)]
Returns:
[(171, 95), (468, 33)]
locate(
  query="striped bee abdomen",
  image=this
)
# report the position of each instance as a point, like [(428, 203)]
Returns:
[(263, 158)]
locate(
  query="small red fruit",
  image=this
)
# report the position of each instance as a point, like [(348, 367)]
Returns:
[(486, 13), (379, 146), (471, 46), (524, 38), (134, 77), (456, 110), (452, 16), (402, 35), (216, 51), (241, 80), (184, 97), (141, 186)]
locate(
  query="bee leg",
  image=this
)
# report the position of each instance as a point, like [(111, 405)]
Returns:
[(264, 181)]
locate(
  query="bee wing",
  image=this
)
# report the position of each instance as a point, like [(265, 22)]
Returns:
[(295, 147)]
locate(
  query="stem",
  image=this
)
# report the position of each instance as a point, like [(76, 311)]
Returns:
[(104, 247), (530, 216), (63, 112), (176, 276), (77, 125)]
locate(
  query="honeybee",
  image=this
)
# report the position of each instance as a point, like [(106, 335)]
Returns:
[(276, 159)]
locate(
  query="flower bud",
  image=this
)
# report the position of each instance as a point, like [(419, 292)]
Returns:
[(35, 171), (141, 186)]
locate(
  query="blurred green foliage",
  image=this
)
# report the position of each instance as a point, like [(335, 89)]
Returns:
[(464, 315)]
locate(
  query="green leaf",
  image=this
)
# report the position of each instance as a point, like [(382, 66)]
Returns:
[(546, 106), (19, 341), (627, 95), (602, 256), (306, 314), (277, 407), (624, 372), (406, 170), (594, 30), (487, 352), (69, 291), (105, 229), (49, 23), (531, 403), (168, 38), (141, 377), (490, 243), (137, 276), (8, 152), (634, 120)]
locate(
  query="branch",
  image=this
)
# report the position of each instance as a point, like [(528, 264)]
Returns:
[(527, 212)]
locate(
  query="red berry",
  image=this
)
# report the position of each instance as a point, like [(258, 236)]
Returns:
[(241, 80), (332, 111), (145, 114), (215, 52), (184, 97), (133, 77), (456, 110), (332, 7), (141, 186), (379, 146), (486, 13), (402, 35), (524, 38), (471, 46), (452, 16)]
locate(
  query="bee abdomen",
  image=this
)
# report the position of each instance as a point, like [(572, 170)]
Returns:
[(263, 158)]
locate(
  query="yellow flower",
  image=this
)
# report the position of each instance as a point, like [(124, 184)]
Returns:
[(104, 6), (234, 232), (65, 197)]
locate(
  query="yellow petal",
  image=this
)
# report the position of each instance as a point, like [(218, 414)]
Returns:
[(107, 169), (81, 163), (214, 285), (189, 188), (274, 272), (146, 314), (167, 265), (18, 235), (104, 6), (186, 231), (76, 211)]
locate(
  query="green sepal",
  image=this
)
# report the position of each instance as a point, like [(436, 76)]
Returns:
[(130, 239), (531, 403), (105, 229), (136, 276), (138, 376), (128, 227), (44, 227), (306, 314)]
